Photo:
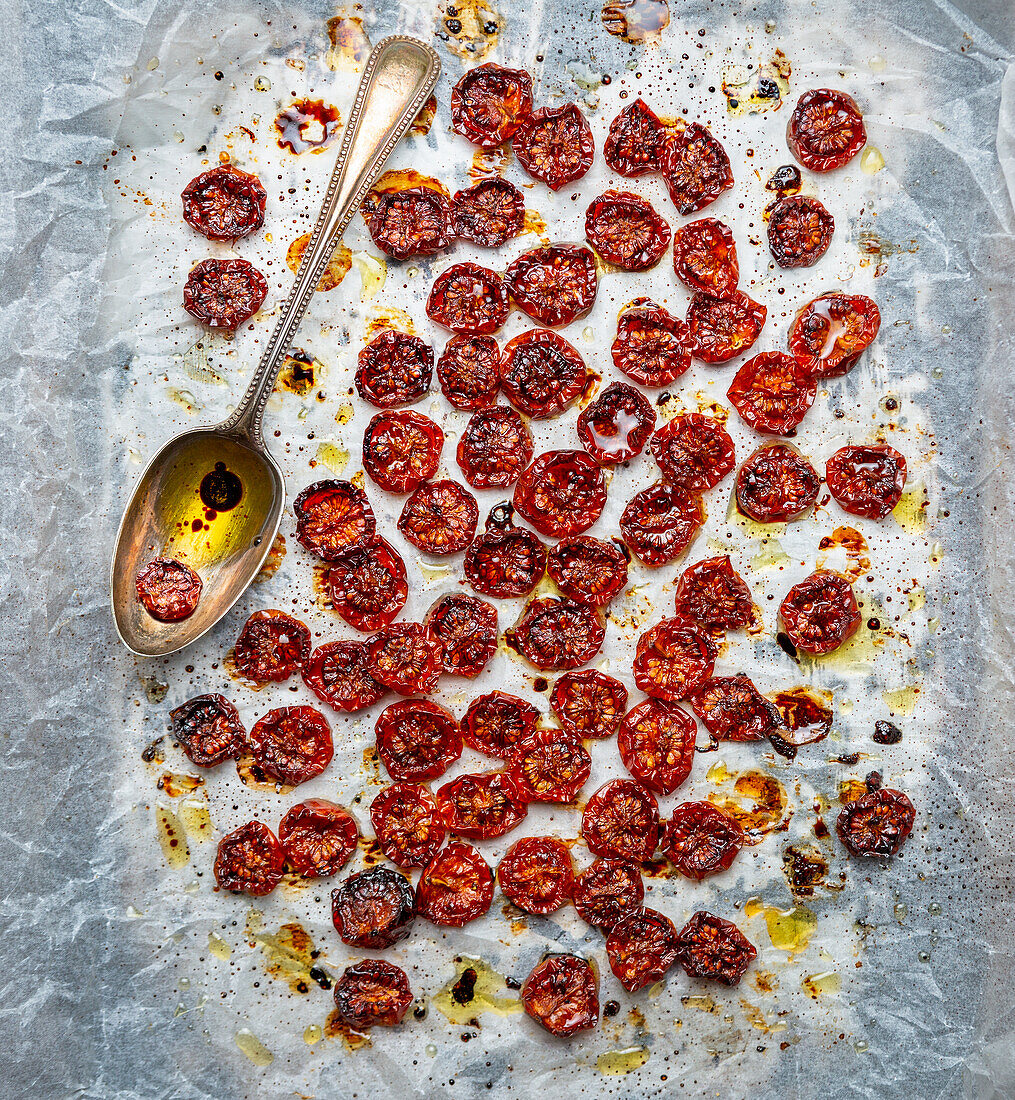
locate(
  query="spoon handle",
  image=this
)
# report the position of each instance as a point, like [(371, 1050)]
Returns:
[(399, 76)]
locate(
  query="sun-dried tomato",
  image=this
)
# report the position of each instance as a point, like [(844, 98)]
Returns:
[(542, 374), (732, 709), (208, 729), (468, 298), (440, 517), (394, 369), (700, 840), (224, 293), (291, 744), (496, 723), (713, 948), (826, 130), (494, 449), (588, 703), (635, 142), (168, 589), (554, 284), (550, 766), (554, 144), (536, 874), (616, 426), (401, 450), (374, 908), (367, 584), (867, 479), (641, 948), (711, 592), (776, 483), (562, 994), (338, 674), (722, 328), (415, 221), (820, 612), (488, 213), (417, 739), (481, 806), (652, 347), (271, 647), (331, 516), (695, 167), (588, 570), (772, 392), (656, 743), (621, 821), (660, 522), (249, 860), (693, 451), (557, 634), (456, 886), (372, 992), (608, 891), (469, 371), (489, 103), (705, 258), (673, 659), (833, 330), (799, 231), (319, 837), (877, 823), (626, 231), (466, 630), (407, 824), (505, 560), (224, 203), (404, 659), (561, 493)]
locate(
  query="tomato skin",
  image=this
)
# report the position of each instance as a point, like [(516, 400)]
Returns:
[(208, 729), (404, 659), (876, 823), (466, 630), (554, 284), (168, 589), (455, 887), (713, 948), (291, 744), (700, 840), (732, 709), (587, 570), (401, 450), (561, 493), (272, 646), (536, 874), (656, 743), (820, 612), (826, 130), (496, 723), (469, 373), (550, 766), (494, 449), (372, 992), (833, 331), (660, 522), (489, 103), (601, 426), (368, 584), (417, 740), (468, 298), (407, 824), (374, 908), (224, 203), (336, 673), (607, 891), (505, 560), (588, 703), (481, 807), (693, 451), (331, 516), (626, 231), (488, 213), (695, 168), (652, 347), (394, 368), (415, 221), (772, 392), (621, 821), (554, 145), (705, 258), (641, 948), (799, 231), (723, 328), (866, 480), (776, 483), (440, 517), (673, 659), (635, 142), (224, 293), (542, 375), (249, 860), (555, 635), (319, 837), (562, 995), (711, 592)]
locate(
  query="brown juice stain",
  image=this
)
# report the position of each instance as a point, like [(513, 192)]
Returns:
[(273, 562), (289, 954), (788, 929), (805, 868), (307, 124), (252, 776), (850, 790), (622, 1061), (172, 837), (764, 981), (372, 854), (349, 45), (424, 120), (338, 267), (176, 785), (765, 798), (533, 223), (336, 1027), (384, 317), (319, 583), (301, 374), (398, 179), (756, 1018), (875, 249), (469, 28), (636, 21), (806, 714), (708, 406), (846, 540), (476, 988), (371, 766), (489, 163)]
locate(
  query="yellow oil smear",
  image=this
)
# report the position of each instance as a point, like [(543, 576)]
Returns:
[(760, 91), (902, 702), (372, 273), (338, 267), (751, 528), (382, 318), (769, 554), (701, 1001), (273, 562), (533, 223), (469, 28), (433, 572), (349, 45), (757, 803), (825, 982), (490, 163), (917, 598), (172, 838), (850, 790), (622, 1061), (301, 374), (219, 948), (911, 511), (313, 1034), (845, 551), (194, 362), (289, 953), (719, 773), (871, 160), (636, 21), (859, 652), (756, 1018), (476, 988), (185, 399), (333, 456), (788, 929), (196, 819), (344, 413), (253, 1048)]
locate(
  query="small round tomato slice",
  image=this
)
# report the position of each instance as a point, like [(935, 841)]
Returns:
[(826, 129), (555, 635), (626, 231), (224, 293), (621, 821), (407, 824), (403, 658), (542, 375), (291, 744), (468, 298), (776, 483), (588, 703), (587, 570), (332, 515), (415, 221), (417, 739), (696, 168), (550, 766), (394, 369), (337, 673), (693, 451), (561, 493), (168, 589), (713, 948), (497, 722), (208, 729), (641, 948), (505, 560), (799, 231), (536, 874), (608, 891), (554, 284), (440, 517), (489, 103), (481, 806), (494, 449), (656, 743), (272, 646), (705, 258), (372, 992), (466, 630), (488, 213), (249, 860), (877, 823), (833, 331), (554, 145), (673, 659), (660, 522), (732, 709), (469, 372), (820, 613), (700, 840), (318, 837), (866, 480), (616, 426), (456, 886), (635, 142), (401, 450), (711, 592), (368, 585), (224, 203), (652, 347), (562, 995), (374, 908), (772, 392), (723, 328)]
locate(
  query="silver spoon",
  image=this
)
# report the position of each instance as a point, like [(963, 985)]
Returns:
[(185, 504)]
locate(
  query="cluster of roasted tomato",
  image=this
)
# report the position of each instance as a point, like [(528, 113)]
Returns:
[(560, 494)]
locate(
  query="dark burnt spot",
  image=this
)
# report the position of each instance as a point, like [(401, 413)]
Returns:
[(464, 989), (887, 733), (804, 868), (786, 644)]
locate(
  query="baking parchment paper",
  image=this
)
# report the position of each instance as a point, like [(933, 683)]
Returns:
[(127, 977)]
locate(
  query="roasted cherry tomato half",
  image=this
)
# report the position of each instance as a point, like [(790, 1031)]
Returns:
[(711, 592), (249, 860), (617, 425), (494, 449), (621, 821), (466, 630), (660, 522), (652, 347), (496, 723), (693, 451), (318, 837), (489, 103), (407, 824), (626, 231), (866, 480), (656, 743), (368, 584), (608, 891), (505, 560), (876, 823), (403, 658), (554, 145), (799, 231), (440, 517), (557, 634), (208, 729), (826, 130), (673, 659), (705, 258), (542, 374), (550, 766), (536, 874), (833, 330), (588, 703), (469, 371), (641, 948), (372, 992), (723, 328), (291, 744), (488, 213), (271, 647), (732, 709), (224, 293), (468, 298), (374, 908), (696, 168), (713, 948), (481, 806), (415, 221), (168, 589), (456, 886), (401, 450), (417, 739), (635, 142), (338, 674), (562, 995), (700, 840), (561, 493), (820, 612), (772, 392), (588, 570), (554, 284), (776, 483), (332, 515), (224, 203), (394, 369)]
